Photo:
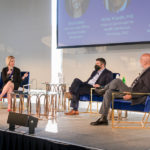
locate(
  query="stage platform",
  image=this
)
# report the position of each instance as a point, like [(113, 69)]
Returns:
[(76, 130)]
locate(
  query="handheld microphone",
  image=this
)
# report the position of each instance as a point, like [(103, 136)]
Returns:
[(11, 68)]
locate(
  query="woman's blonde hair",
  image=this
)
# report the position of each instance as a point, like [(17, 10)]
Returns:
[(8, 59)]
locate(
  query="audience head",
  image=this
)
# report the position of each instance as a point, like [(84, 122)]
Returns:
[(100, 64), (145, 60), (10, 61)]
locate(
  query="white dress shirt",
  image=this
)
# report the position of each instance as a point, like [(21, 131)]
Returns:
[(95, 78)]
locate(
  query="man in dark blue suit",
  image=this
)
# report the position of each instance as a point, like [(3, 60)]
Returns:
[(99, 78)]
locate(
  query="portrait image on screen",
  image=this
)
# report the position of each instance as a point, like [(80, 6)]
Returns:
[(76, 8), (102, 22), (116, 5)]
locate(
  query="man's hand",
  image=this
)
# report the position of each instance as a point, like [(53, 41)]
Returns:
[(25, 75), (96, 85), (127, 97)]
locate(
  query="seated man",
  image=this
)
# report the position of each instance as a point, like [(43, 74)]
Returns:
[(99, 78), (141, 84)]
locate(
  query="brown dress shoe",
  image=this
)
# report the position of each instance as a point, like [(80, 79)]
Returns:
[(68, 95), (72, 112), (76, 112)]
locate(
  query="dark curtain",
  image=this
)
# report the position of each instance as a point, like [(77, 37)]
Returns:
[(15, 141)]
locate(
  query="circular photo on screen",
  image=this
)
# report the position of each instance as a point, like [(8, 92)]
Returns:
[(76, 8), (116, 6)]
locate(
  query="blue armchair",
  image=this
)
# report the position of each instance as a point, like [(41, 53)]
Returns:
[(94, 97), (121, 104), (24, 84)]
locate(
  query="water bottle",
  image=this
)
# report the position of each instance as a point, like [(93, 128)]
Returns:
[(124, 80)]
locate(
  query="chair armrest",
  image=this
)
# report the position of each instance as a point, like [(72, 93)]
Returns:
[(124, 93), (131, 93), (26, 85)]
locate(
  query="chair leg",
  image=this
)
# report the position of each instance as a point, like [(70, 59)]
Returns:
[(146, 121), (14, 103), (67, 96), (119, 114), (38, 107), (21, 104), (68, 105), (110, 114), (118, 117), (52, 104), (97, 107), (87, 110), (55, 101), (126, 114), (65, 102), (29, 105)]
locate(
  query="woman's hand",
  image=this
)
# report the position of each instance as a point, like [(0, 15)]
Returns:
[(9, 70)]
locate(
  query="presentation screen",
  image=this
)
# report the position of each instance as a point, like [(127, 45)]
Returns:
[(102, 22)]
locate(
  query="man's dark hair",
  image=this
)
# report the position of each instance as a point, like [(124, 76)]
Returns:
[(102, 60)]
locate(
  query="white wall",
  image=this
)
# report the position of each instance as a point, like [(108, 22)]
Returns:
[(79, 62), (25, 33)]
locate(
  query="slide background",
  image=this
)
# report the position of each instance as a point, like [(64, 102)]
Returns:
[(98, 26)]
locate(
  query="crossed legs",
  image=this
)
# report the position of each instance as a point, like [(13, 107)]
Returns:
[(8, 88), (114, 85)]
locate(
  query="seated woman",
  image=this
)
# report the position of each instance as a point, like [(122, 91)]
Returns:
[(11, 78)]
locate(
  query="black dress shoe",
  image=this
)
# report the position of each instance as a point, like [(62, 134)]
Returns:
[(100, 91), (100, 121)]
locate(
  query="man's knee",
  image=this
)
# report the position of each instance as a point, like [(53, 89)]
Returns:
[(117, 80), (76, 80)]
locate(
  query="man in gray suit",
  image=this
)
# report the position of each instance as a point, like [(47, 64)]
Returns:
[(141, 84)]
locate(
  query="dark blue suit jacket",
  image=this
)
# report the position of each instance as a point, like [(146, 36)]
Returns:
[(104, 78), (80, 88)]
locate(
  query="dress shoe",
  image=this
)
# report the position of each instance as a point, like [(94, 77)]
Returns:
[(100, 121), (100, 91), (73, 112), (1, 99), (68, 95), (9, 110), (77, 112)]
